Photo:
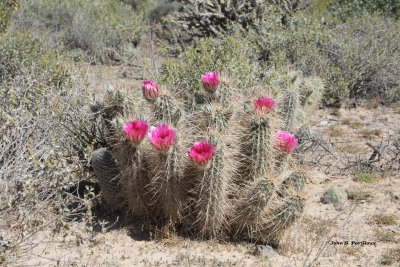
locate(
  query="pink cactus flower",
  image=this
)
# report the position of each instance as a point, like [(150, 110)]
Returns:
[(201, 152), (264, 104), (161, 137), (210, 81), (135, 130), (150, 89), (285, 141)]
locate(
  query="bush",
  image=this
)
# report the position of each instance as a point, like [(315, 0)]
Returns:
[(356, 59), (345, 9), (41, 98), (6, 8), (105, 29), (230, 54)]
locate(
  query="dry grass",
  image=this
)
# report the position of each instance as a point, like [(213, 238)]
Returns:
[(336, 131), (390, 257), (385, 219), (386, 236), (370, 134), (365, 178), (360, 195)]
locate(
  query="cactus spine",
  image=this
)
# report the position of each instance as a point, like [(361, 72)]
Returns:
[(167, 182), (252, 205), (212, 204), (261, 133), (133, 176)]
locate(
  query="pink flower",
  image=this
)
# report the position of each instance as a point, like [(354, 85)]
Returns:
[(286, 141), (150, 89), (210, 81), (135, 130), (161, 137), (201, 152), (264, 104)]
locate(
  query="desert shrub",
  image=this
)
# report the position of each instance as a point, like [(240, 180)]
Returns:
[(230, 54), (6, 9), (345, 9), (40, 159), (104, 29), (367, 56), (356, 58)]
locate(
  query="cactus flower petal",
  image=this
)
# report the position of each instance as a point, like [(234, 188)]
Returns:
[(285, 141), (201, 152), (135, 130), (264, 104), (150, 89), (210, 81), (161, 137)]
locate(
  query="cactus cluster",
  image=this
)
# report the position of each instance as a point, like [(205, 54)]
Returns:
[(218, 163), (185, 21)]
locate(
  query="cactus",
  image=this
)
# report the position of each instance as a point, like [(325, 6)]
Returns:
[(106, 169), (134, 177), (295, 182), (212, 204), (250, 208), (167, 181), (232, 185)]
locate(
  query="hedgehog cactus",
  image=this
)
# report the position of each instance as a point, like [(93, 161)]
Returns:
[(214, 165)]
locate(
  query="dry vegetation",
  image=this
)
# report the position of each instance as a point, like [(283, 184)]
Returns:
[(53, 84)]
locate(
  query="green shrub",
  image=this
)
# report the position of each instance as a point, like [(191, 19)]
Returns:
[(6, 8), (345, 9), (104, 29), (230, 55), (357, 58), (365, 177), (21, 54)]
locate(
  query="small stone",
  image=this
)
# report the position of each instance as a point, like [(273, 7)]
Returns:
[(327, 122), (266, 251), (334, 195), (395, 195)]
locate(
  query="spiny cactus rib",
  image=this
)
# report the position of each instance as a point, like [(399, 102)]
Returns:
[(108, 175), (285, 215), (261, 148), (213, 195), (277, 220), (294, 183), (251, 206), (136, 184), (134, 178), (290, 105), (168, 183), (166, 110), (216, 117)]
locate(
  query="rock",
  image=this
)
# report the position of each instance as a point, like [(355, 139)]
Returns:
[(327, 122), (395, 195), (266, 251), (334, 195)]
